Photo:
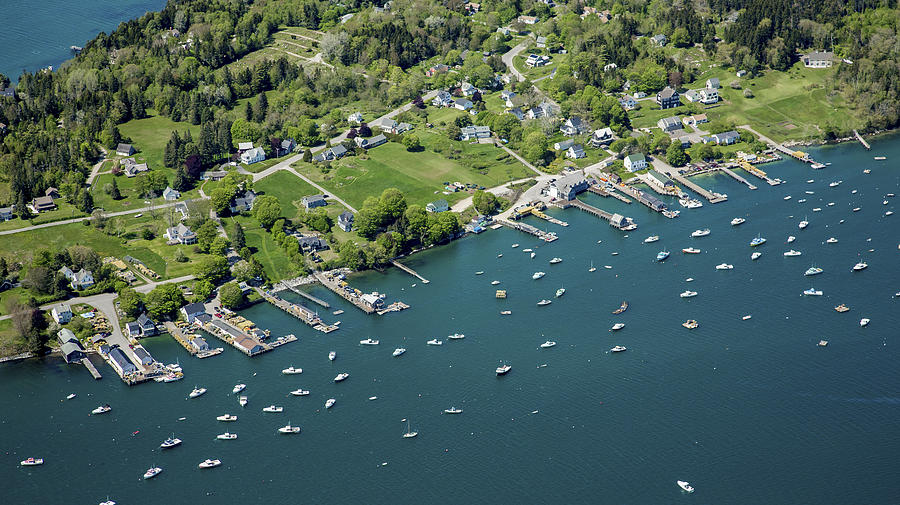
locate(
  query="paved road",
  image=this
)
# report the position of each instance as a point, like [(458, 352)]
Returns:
[(95, 170), (523, 160), (508, 60), (496, 190)]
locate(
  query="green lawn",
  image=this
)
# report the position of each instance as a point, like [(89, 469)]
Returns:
[(64, 211), (130, 198), (288, 189), (533, 73), (272, 257), (150, 135), (10, 343)]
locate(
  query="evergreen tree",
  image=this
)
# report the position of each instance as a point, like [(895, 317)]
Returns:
[(237, 237), (181, 182), (261, 108), (115, 194), (194, 110), (207, 143), (86, 202), (4, 268), (223, 137), (170, 156), (248, 112)]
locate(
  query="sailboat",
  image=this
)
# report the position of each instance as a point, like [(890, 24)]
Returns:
[(409, 434), (593, 268)]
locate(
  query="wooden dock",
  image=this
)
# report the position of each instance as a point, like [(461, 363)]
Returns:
[(862, 140), (598, 190), (759, 173), (179, 337), (590, 209), (91, 368), (709, 195), (737, 177), (410, 271), (299, 311), (527, 228), (281, 286)]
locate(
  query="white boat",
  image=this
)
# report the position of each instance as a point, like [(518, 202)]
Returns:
[(736, 221), (103, 409), (593, 268), (528, 250), (855, 209), (368, 341), (242, 401), (685, 486), (453, 410), (544, 302), (812, 292), (170, 442), (456, 336), (300, 392), (332, 355), (329, 403), (515, 245), (689, 279), (210, 463), (748, 316), (226, 436), (341, 377), (273, 409), (700, 233), (787, 197), (556, 260), (70, 396), (884, 202), (759, 240), (864, 321), (32, 462), (480, 272), (831, 240), (548, 344), (889, 213), (228, 418), (791, 238), (291, 370), (830, 204), (398, 351), (690, 203), (108, 501), (503, 369), (662, 255), (651, 238), (532, 255), (494, 283), (409, 434), (813, 271), (197, 392), (617, 326), (608, 267), (538, 275), (152, 472), (502, 313), (435, 341), (690, 250), (810, 181), (688, 294), (618, 348), (755, 255), (817, 209), (288, 429), (560, 292), (792, 253), (860, 266), (238, 388), (803, 224), (802, 200), (500, 255), (373, 398), (724, 266)]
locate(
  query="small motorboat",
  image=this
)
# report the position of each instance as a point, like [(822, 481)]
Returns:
[(453, 410), (724, 266), (688, 294), (332, 355), (662, 255), (736, 221), (435, 341), (300, 392), (855, 209), (398, 351), (515, 245), (791, 238), (810, 181), (70, 396), (689, 279), (368, 341), (226, 436), (617, 327), (822, 343), (690, 324), (802, 200), (864, 321), (548, 344), (500, 255), (812, 292), (700, 233), (480, 272), (792, 253), (528, 250), (618, 348), (532, 255), (494, 283), (228, 418), (755, 255), (503, 369), (651, 239), (831, 240), (889, 213), (813, 271), (456, 336), (817, 209), (32, 462), (556, 260), (197, 392), (371, 398), (862, 265), (803, 224), (502, 313), (544, 302), (273, 409), (242, 401), (341, 377), (238, 388), (560, 292), (291, 370), (685, 486), (152, 472), (757, 241), (748, 316), (170, 442), (289, 430), (842, 308), (330, 403), (538, 275), (209, 463), (787, 197), (103, 409), (690, 250)]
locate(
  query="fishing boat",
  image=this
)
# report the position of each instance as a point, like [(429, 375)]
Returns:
[(228, 418), (330, 403), (700, 233), (70, 396), (341, 377), (622, 308), (32, 462), (864, 321), (803, 224), (288, 429), (103, 409), (685, 486), (860, 266), (435, 341), (453, 410), (226, 436), (556, 260), (748, 316), (736, 221), (560, 292), (791, 238), (274, 409), (503, 369), (690, 324), (724, 266), (662, 255), (170, 442), (651, 239), (409, 434), (688, 294), (544, 302), (368, 341), (515, 245), (238, 388), (792, 253), (494, 283), (196, 392), (548, 344), (300, 392), (480, 272), (538, 275), (759, 240), (242, 401), (152, 472), (812, 292), (618, 348), (291, 370), (502, 313), (332, 355), (813, 271), (755, 255), (209, 463), (842, 308), (690, 250), (831, 240), (456, 336), (617, 327), (398, 351), (593, 268)]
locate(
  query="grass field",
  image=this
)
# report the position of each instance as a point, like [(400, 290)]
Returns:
[(64, 211), (288, 189), (150, 135), (10, 344), (272, 257), (130, 198)]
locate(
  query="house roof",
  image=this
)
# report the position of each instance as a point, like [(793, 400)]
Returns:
[(256, 151), (66, 335), (194, 308), (145, 321), (820, 56), (313, 198), (713, 81), (345, 216), (670, 121), (142, 354), (62, 307), (667, 92), (287, 143), (43, 201), (339, 150), (440, 204), (70, 347), (635, 157), (603, 133), (565, 144), (243, 146), (116, 354), (124, 148)]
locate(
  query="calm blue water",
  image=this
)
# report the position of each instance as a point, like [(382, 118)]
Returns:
[(37, 33), (748, 411)]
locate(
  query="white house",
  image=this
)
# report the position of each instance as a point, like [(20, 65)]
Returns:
[(443, 99), (254, 155), (635, 162), (668, 124), (628, 102), (575, 152), (708, 95), (62, 313), (356, 117), (463, 104), (713, 82), (180, 234), (474, 132), (170, 195), (244, 146), (83, 279), (574, 126), (564, 145)]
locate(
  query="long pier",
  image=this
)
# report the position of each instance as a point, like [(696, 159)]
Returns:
[(299, 311), (527, 228), (598, 190), (761, 174), (91, 368), (737, 177), (304, 294), (410, 271), (861, 140), (709, 195), (337, 288), (590, 209)]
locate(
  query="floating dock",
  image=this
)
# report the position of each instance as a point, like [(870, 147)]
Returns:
[(759, 173), (737, 177), (410, 271), (615, 220), (299, 311), (535, 209), (91, 368), (527, 228)]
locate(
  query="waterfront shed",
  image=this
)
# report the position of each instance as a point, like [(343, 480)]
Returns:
[(72, 352), (120, 361), (143, 356), (199, 344)]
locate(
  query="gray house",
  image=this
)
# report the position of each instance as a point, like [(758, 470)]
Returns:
[(438, 206), (192, 310), (668, 124), (199, 344), (125, 150), (72, 352), (120, 361), (313, 201), (345, 221), (312, 244)]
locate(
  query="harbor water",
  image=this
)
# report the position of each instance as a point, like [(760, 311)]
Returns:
[(748, 411)]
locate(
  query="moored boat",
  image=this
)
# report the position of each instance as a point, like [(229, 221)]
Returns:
[(759, 240), (724, 266), (538, 275), (368, 341), (662, 255), (288, 429), (228, 418), (197, 392), (209, 463), (690, 324), (273, 409), (690, 250), (617, 327), (813, 271), (341, 377), (32, 462), (242, 401), (456, 336), (864, 321), (812, 292), (548, 344), (330, 403), (453, 410), (860, 266), (435, 341), (300, 392), (651, 239), (700, 233), (503, 369), (755, 255), (398, 351), (103, 409), (622, 308), (555, 261), (544, 302), (332, 355), (170, 442), (792, 253), (560, 292), (688, 294), (238, 388), (685, 486), (831, 240), (842, 308), (226, 436), (291, 370), (618, 348), (736, 221), (152, 472)]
